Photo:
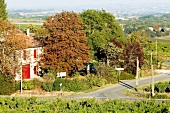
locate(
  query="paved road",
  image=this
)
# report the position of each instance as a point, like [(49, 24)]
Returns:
[(116, 91)]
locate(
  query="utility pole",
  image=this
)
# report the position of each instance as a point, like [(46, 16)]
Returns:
[(152, 77), (156, 53), (21, 72), (21, 83), (152, 81), (151, 58), (137, 68)]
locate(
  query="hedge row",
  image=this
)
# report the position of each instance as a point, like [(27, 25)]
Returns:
[(68, 84)]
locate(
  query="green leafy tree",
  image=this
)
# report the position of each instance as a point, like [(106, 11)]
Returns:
[(3, 12), (66, 45), (142, 38), (100, 28)]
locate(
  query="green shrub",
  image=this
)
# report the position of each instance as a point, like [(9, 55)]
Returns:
[(107, 73), (47, 86), (56, 86), (93, 80), (126, 76), (17, 85), (160, 87), (37, 83), (75, 85), (160, 96), (8, 84), (28, 85), (147, 88), (49, 77)]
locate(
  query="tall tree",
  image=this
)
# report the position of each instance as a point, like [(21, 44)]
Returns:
[(3, 12), (132, 51), (100, 28), (11, 40), (65, 47)]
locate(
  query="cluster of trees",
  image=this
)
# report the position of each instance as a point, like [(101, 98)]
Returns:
[(71, 39)]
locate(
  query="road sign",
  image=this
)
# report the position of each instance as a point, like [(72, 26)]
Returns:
[(119, 69)]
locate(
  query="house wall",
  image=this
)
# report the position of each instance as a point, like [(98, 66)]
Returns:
[(29, 59)]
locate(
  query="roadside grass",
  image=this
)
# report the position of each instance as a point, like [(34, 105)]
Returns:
[(140, 92), (166, 66)]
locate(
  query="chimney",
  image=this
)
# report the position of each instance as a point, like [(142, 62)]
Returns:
[(28, 32)]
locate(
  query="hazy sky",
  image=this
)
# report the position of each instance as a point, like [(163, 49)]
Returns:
[(20, 4)]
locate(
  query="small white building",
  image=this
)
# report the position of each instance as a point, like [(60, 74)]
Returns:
[(30, 67), (29, 60)]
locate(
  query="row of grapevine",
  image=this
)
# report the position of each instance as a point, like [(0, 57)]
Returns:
[(160, 87), (37, 105)]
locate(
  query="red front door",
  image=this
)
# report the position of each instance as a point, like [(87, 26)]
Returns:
[(26, 71)]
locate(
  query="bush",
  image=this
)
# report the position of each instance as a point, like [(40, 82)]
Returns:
[(93, 80), (37, 83), (160, 87), (49, 79), (147, 88), (28, 85), (8, 84), (47, 86), (56, 86), (107, 73), (126, 76), (76, 85), (17, 85)]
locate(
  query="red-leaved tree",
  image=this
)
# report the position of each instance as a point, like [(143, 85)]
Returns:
[(65, 47), (132, 51)]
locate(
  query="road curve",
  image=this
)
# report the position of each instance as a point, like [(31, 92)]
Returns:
[(116, 91)]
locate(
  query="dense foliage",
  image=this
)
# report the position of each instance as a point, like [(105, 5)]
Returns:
[(100, 28), (11, 40), (8, 84), (132, 52), (65, 48), (160, 87), (34, 105), (3, 12), (76, 84)]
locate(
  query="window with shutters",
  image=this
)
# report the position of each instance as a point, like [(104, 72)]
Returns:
[(35, 53), (24, 54), (35, 69)]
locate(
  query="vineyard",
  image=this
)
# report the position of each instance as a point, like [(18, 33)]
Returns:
[(161, 90), (38, 105)]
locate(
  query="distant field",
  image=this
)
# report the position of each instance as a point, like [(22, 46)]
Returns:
[(22, 23), (35, 20), (24, 26), (161, 39)]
